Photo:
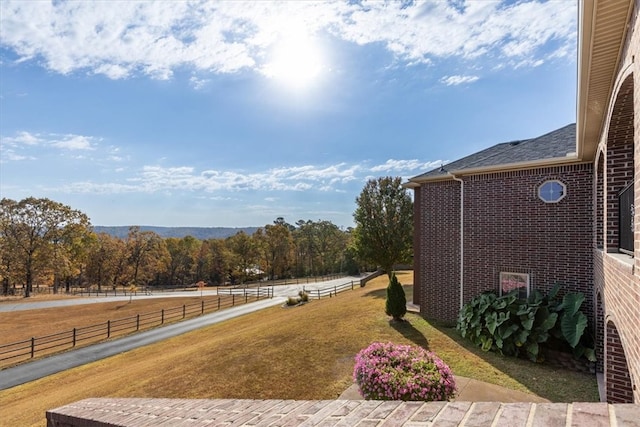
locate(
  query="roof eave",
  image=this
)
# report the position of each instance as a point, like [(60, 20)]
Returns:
[(507, 167), (602, 28)]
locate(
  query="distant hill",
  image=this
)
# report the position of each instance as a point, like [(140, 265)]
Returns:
[(200, 233)]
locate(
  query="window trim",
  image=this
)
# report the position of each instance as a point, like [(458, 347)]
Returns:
[(525, 276), (551, 181)]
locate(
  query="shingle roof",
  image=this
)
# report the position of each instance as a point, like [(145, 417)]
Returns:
[(554, 144)]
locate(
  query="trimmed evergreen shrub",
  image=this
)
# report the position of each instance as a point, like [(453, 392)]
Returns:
[(396, 304), (387, 371)]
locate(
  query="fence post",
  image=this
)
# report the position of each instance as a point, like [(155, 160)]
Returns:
[(184, 307), (137, 322), (202, 306), (74, 337), (108, 328), (33, 346), (352, 285), (335, 291), (218, 303), (246, 298), (318, 293), (233, 300), (162, 317)]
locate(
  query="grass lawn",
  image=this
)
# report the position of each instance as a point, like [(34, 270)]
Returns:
[(304, 352), (56, 320)]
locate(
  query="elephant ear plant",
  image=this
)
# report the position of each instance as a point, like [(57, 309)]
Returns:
[(523, 327)]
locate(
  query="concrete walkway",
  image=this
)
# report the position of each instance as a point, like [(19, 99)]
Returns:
[(470, 390)]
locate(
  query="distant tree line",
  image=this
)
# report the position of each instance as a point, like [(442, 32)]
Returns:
[(45, 243)]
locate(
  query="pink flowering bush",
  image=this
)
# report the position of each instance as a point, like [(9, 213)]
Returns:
[(402, 372)]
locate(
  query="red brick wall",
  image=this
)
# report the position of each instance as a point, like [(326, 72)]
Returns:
[(615, 280), (416, 244), (507, 228), (619, 175), (619, 388), (617, 275), (439, 211)]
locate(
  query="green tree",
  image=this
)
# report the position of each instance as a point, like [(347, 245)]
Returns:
[(31, 226), (384, 223), (396, 304), (278, 247)]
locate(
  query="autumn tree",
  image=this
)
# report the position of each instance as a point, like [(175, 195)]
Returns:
[(182, 259), (384, 223), (330, 243), (244, 253), (214, 260), (37, 230), (146, 252), (278, 249), (106, 260)]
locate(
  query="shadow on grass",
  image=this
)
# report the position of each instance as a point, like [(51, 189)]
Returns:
[(410, 332), (555, 384), (382, 293)]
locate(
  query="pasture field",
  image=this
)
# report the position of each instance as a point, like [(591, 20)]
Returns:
[(304, 352)]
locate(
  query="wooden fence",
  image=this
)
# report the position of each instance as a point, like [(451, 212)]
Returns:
[(331, 291), (20, 351)]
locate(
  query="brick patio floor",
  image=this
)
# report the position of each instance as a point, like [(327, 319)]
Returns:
[(112, 412)]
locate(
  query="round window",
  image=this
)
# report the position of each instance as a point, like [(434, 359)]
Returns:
[(552, 191)]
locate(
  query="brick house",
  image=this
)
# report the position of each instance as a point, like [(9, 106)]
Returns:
[(558, 208)]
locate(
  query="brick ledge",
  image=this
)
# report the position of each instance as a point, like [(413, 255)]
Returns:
[(135, 412)]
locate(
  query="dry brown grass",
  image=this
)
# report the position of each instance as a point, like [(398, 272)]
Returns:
[(22, 325), (304, 352), (34, 298)]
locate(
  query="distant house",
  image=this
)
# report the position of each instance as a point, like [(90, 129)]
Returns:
[(555, 208)]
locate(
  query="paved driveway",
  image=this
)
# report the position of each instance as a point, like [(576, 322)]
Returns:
[(278, 291)]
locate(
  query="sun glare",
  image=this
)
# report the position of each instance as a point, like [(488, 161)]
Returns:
[(296, 61)]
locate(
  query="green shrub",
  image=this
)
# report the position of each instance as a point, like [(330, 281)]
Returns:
[(522, 327), (396, 305)]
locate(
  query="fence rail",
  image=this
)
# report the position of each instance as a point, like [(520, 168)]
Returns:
[(109, 291), (20, 351), (28, 349), (331, 291)]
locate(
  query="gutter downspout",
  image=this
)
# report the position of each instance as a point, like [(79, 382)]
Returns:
[(455, 178)]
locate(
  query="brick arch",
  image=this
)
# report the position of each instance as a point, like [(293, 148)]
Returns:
[(619, 387), (619, 159)]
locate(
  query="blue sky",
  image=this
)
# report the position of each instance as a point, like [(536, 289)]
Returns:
[(198, 113)]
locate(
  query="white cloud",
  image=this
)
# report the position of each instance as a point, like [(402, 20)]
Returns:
[(74, 142), (458, 80), (22, 137), (158, 179), (393, 165), (156, 38), (26, 145)]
